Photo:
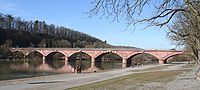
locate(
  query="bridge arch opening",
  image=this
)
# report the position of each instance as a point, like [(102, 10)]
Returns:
[(108, 60), (34, 55), (55, 60), (18, 55), (34, 59), (141, 59), (180, 59), (80, 58)]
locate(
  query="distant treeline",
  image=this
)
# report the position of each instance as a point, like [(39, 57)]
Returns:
[(16, 32)]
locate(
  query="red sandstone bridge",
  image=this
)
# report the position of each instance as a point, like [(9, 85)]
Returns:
[(125, 54)]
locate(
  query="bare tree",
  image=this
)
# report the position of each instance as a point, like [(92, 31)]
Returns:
[(131, 10), (36, 26), (2, 21), (186, 31), (9, 20)]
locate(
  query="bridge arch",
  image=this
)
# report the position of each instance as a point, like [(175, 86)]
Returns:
[(85, 58), (34, 54), (141, 58), (36, 51), (18, 54), (183, 55), (55, 59), (108, 60), (134, 54), (103, 53), (55, 55), (78, 52), (34, 58)]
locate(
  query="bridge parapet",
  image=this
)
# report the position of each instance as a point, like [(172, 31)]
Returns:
[(101, 49)]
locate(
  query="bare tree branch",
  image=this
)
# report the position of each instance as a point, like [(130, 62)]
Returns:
[(130, 10)]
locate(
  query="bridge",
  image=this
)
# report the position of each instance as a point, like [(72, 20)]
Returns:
[(125, 54)]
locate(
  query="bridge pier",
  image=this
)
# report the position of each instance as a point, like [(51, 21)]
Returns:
[(161, 61), (24, 58), (93, 60), (66, 60), (43, 60), (124, 62), (93, 64)]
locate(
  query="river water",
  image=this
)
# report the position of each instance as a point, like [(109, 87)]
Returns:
[(14, 69)]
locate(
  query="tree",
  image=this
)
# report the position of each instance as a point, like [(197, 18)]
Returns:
[(64, 43), (44, 28), (2, 21), (186, 31), (26, 25), (131, 10), (9, 21), (42, 44), (19, 23), (36, 26), (30, 26), (8, 43), (51, 29)]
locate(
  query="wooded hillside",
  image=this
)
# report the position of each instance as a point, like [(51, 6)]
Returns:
[(16, 32)]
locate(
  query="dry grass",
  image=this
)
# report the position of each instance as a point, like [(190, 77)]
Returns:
[(188, 66), (153, 68), (153, 79), (131, 82)]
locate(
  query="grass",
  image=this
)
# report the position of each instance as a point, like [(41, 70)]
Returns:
[(152, 80), (152, 68), (132, 81), (188, 66)]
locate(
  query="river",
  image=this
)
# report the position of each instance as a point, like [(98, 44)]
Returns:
[(14, 69)]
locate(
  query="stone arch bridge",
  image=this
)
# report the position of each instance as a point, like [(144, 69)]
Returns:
[(125, 54)]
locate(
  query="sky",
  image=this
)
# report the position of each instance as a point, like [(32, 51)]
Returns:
[(72, 14)]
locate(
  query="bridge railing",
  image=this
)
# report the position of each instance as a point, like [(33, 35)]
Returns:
[(100, 49)]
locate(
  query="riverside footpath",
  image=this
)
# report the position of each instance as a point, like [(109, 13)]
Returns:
[(184, 81)]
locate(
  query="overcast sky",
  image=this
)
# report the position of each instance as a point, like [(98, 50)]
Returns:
[(72, 14)]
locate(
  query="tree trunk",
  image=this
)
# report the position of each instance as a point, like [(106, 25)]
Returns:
[(198, 66)]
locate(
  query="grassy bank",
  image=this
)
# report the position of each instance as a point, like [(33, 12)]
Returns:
[(136, 81)]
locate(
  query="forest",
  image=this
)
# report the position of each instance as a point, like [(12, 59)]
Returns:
[(17, 32)]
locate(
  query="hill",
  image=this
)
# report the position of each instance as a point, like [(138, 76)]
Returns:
[(21, 33), (16, 32)]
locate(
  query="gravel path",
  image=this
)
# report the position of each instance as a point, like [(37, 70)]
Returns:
[(186, 81)]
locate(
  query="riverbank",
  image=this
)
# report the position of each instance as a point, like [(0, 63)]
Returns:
[(171, 77), (65, 81)]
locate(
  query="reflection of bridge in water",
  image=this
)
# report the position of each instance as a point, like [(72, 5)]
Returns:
[(45, 67), (93, 53)]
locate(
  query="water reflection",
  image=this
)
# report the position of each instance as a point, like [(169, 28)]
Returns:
[(107, 65), (31, 68), (34, 62), (55, 64), (85, 64), (36, 67)]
